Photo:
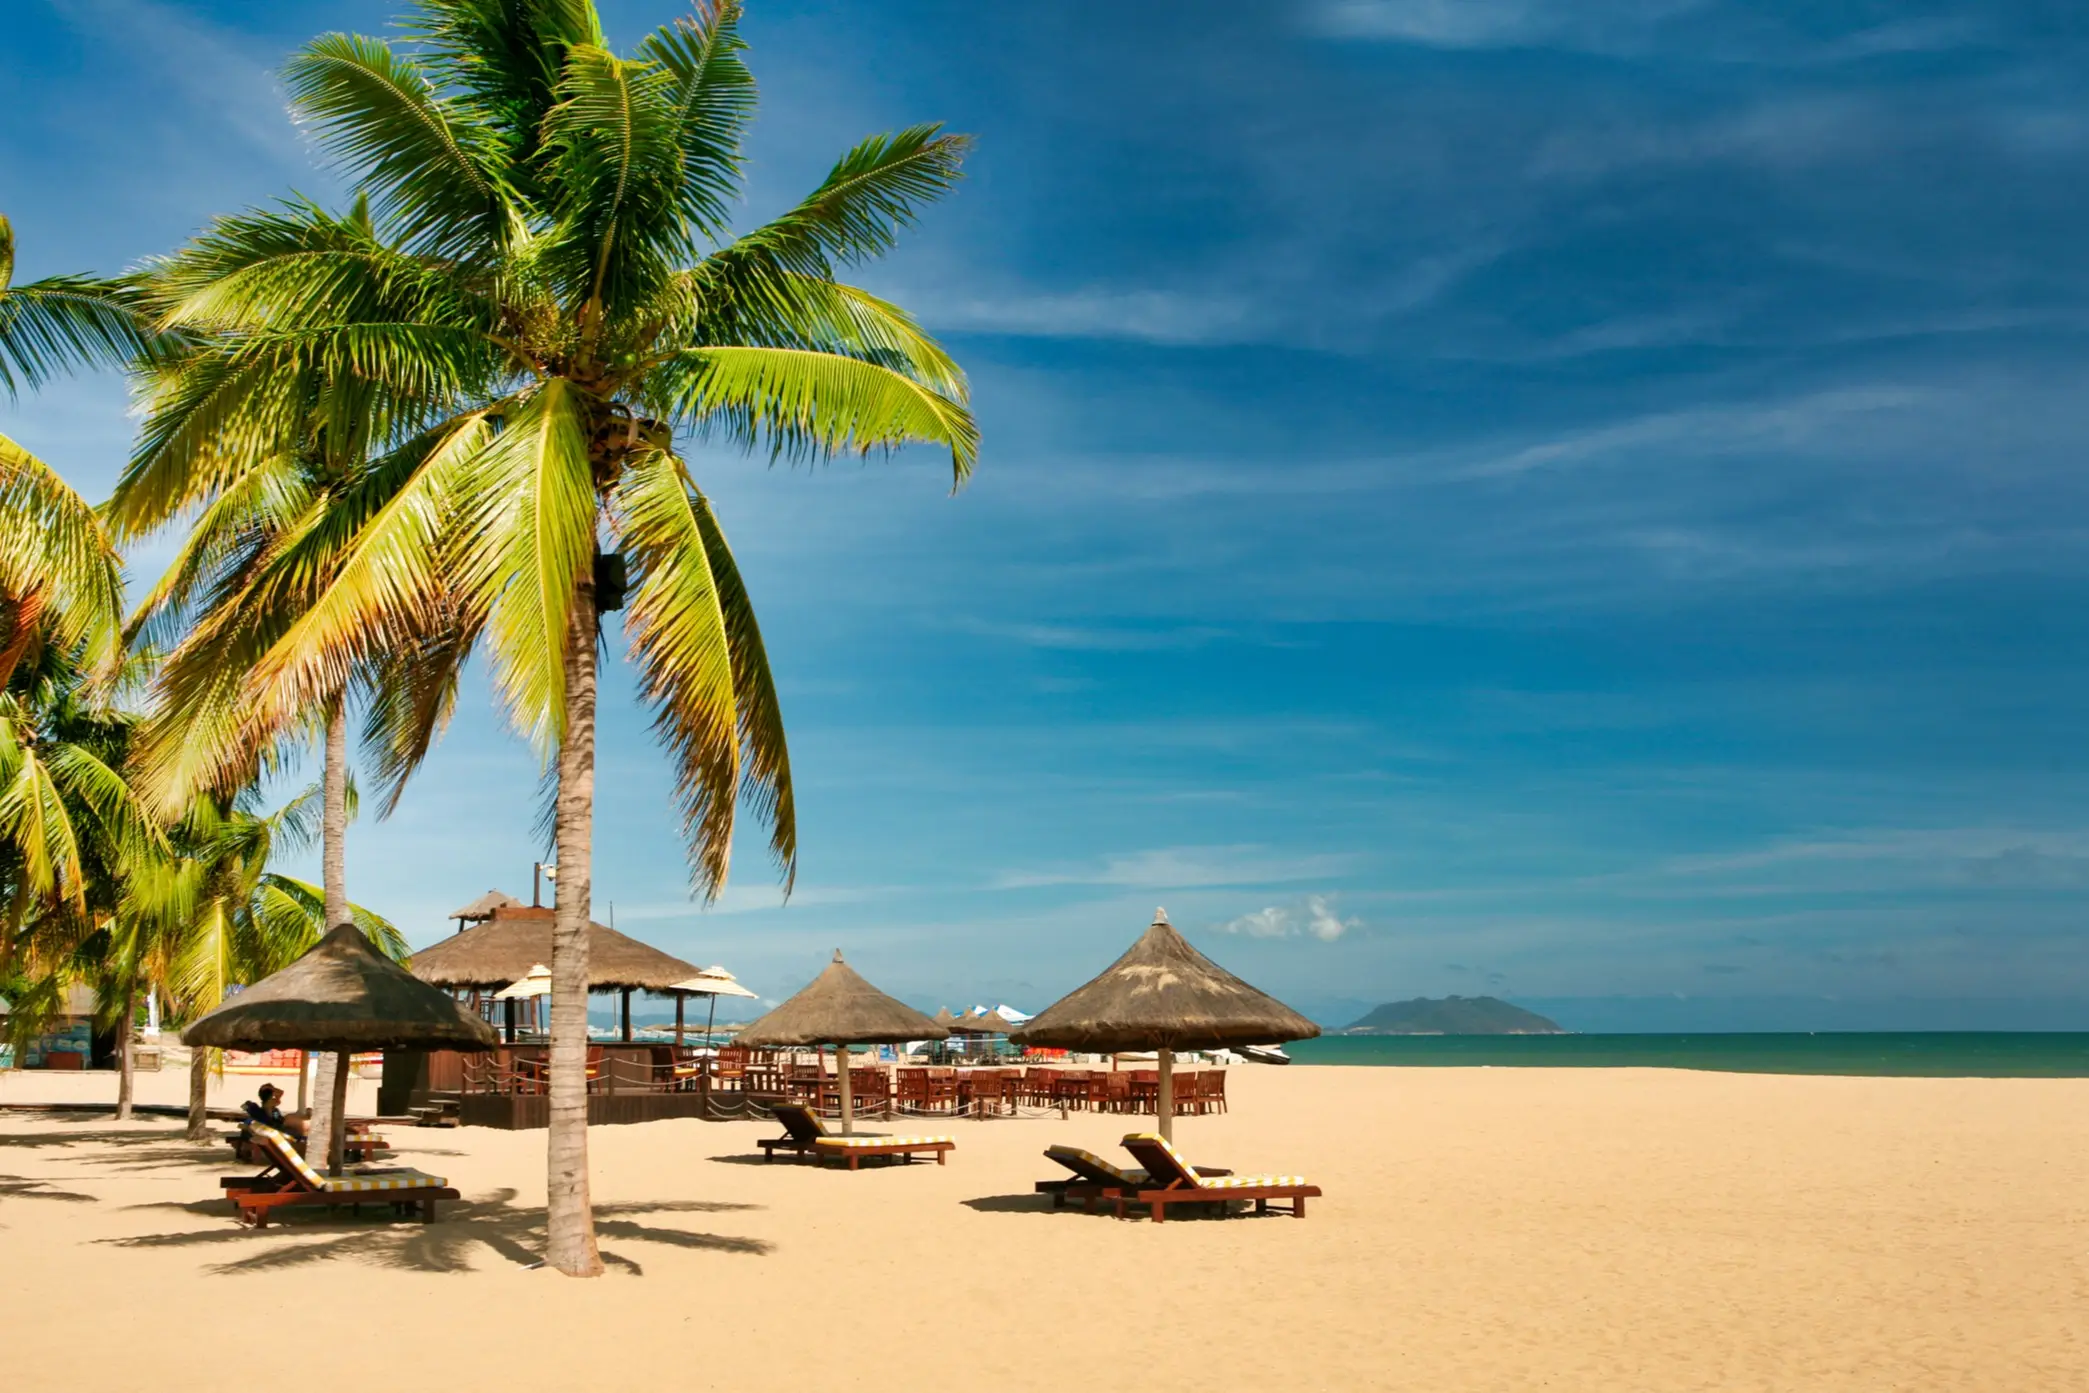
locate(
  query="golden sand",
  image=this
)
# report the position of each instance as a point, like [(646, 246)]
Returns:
[(1482, 1229)]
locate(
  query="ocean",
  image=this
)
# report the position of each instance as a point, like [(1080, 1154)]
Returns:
[(1912, 1054)]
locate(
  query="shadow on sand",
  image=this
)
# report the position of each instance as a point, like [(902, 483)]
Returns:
[(491, 1223)]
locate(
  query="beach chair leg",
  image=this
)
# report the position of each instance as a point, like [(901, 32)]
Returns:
[(1262, 1206), (939, 1156), (852, 1162), (1298, 1207), (1160, 1210)]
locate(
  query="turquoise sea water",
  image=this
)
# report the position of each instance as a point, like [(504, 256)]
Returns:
[(1938, 1054)]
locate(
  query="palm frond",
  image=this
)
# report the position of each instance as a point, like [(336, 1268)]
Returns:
[(52, 545), (806, 404), (703, 668), (859, 208), (437, 178), (714, 100), (538, 544)]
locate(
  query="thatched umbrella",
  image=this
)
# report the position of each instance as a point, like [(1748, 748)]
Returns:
[(990, 1023), (342, 995), (840, 1009), (1164, 995)]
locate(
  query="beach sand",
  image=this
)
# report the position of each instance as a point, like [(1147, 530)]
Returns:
[(1482, 1229)]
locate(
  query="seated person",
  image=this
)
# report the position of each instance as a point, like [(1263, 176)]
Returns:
[(268, 1112)]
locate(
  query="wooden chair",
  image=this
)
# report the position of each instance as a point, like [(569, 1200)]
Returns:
[(1211, 1093), (805, 1134), (1172, 1180), (1037, 1087), (290, 1180), (1070, 1088), (1117, 1093), (1095, 1179)]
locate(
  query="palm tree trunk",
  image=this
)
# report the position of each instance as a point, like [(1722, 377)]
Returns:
[(329, 1091), (570, 1218), (199, 1089), (126, 1071)]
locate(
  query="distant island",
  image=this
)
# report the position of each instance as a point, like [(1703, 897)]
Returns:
[(1453, 1015)]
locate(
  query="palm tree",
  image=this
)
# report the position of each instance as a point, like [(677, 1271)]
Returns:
[(566, 282), (267, 450), (71, 833), (222, 917)]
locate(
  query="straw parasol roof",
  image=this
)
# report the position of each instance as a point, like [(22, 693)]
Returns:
[(991, 1023), (342, 994), (517, 937), (482, 908), (1164, 994), (534, 983), (713, 981), (840, 1008)]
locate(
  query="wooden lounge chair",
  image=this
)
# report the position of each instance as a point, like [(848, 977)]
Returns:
[(290, 1180), (1096, 1180), (1172, 1180), (805, 1134)]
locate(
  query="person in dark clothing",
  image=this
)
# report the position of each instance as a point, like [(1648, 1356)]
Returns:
[(268, 1111)]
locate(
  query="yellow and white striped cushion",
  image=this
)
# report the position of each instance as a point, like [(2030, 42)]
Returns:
[(1129, 1177), (1250, 1182), (885, 1141), (1156, 1139), (287, 1152)]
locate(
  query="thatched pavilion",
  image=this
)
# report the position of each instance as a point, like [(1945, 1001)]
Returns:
[(512, 938), (1163, 995)]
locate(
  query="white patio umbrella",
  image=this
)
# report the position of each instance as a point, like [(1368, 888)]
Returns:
[(714, 982)]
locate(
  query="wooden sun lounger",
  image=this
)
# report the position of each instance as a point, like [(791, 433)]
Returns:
[(356, 1146), (1172, 1180), (806, 1135), (1095, 1179), (290, 1180)]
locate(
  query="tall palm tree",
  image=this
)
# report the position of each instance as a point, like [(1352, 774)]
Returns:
[(266, 450), (573, 290)]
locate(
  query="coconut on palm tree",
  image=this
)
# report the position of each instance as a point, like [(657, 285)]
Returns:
[(552, 258)]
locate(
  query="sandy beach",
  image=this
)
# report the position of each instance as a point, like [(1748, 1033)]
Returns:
[(1482, 1229)]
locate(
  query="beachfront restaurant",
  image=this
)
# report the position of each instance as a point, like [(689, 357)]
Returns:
[(499, 943)]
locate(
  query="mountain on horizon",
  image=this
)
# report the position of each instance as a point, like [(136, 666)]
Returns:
[(1452, 1015)]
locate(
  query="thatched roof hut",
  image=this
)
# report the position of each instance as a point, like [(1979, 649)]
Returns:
[(992, 1023), (516, 938), (341, 995), (481, 909), (840, 1008), (1163, 994)]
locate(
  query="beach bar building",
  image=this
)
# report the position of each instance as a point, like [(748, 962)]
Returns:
[(500, 941)]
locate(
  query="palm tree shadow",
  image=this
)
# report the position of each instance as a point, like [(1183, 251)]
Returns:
[(18, 1187), (490, 1224)]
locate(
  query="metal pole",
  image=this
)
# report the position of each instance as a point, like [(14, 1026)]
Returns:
[(710, 1017), (1167, 1127)]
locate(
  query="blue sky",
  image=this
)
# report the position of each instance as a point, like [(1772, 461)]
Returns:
[(1569, 501)]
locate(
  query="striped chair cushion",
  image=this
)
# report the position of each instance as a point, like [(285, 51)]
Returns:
[(286, 1152), (1074, 1153), (1155, 1139), (1249, 1182), (885, 1141)]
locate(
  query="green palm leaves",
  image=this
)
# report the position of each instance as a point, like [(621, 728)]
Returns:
[(540, 301)]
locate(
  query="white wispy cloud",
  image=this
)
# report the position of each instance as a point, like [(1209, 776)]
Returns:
[(1313, 917), (216, 70), (1185, 867), (1141, 315), (1586, 24)]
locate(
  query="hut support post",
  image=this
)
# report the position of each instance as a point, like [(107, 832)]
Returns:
[(627, 1015), (337, 1109), (1167, 1099), (508, 1018), (710, 1019), (679, 999), (841, 1064)]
